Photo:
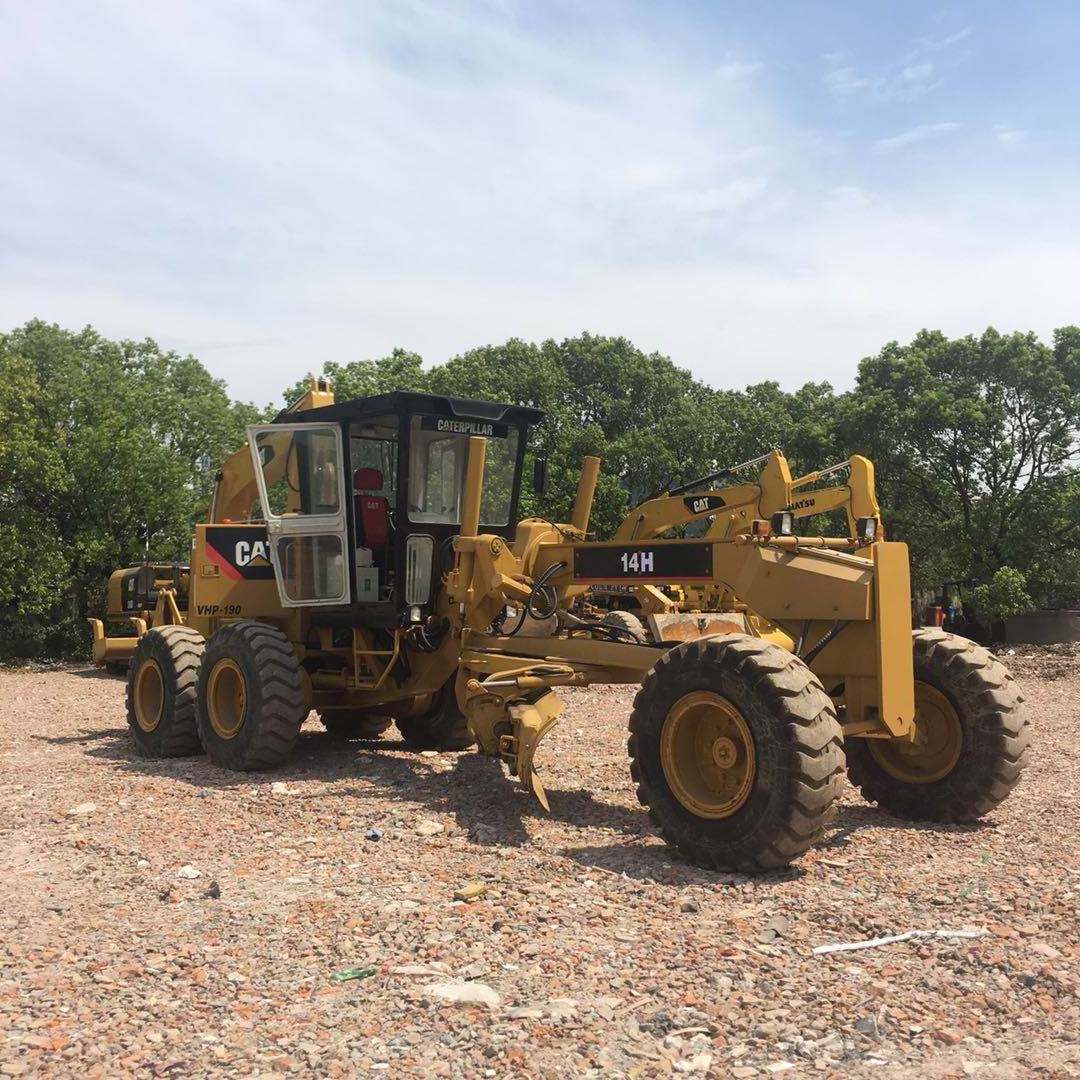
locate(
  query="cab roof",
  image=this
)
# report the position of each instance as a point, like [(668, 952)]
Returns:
[(404, 401)]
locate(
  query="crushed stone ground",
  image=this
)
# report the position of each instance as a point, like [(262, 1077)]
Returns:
[(167, 917)]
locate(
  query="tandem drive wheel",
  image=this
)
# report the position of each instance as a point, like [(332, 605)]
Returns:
[(971, 737), (161, 697), (736, 751), (354, 723), (251, 698), (438, 725)]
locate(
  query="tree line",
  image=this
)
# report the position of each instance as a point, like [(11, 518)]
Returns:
[(108, 451)]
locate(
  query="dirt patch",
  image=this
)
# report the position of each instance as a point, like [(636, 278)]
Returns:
[(171, 917)]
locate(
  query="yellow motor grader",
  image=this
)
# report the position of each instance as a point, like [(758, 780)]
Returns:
[(363, 559)]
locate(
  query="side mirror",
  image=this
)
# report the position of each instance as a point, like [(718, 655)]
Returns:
[(540, 473)]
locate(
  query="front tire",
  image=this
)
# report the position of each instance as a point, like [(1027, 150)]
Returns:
[(441, 726), (161, 692), (629, 624), (972, 742), (251, 697), (737, 753)]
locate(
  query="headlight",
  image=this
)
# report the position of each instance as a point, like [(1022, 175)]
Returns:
[(783, 523), (866, 530), (419, 555)]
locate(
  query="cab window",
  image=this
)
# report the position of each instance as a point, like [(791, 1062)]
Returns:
[(437, 471)]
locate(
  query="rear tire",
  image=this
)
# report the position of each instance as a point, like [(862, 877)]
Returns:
[(251, 697), (354, 723), (161, 692), (628, 622), (736, 752), (974, 745), (442, 726)]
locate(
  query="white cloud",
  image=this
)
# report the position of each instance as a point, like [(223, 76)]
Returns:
[(272, 186), (914, 135), (906, 79), (917, 72), (1009, 136), (737, 70)]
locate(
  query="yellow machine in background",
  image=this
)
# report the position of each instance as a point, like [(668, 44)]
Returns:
[(674, 614), (364, 559)]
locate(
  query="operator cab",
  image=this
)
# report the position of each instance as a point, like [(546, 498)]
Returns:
[(362, 499)]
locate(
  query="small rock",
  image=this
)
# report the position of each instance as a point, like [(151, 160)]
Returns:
[(82, 809), (690, 906), (561, 1008), (429, 753), (525, 1012), (866, 1025), (471, 891), (189, 873), (373, 834), (463, 993), (776, 927), (143, 864), (697, 1063), (279, 787), (779, 1067), (1043, 949), (213, 891), (427, 827), (743, 1072)]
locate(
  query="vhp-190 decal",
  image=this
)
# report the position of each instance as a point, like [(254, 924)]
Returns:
[(242, 552)]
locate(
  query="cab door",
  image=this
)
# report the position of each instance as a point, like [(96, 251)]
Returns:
[(301, 478)]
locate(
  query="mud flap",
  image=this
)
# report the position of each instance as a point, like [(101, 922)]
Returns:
[(532, 721)]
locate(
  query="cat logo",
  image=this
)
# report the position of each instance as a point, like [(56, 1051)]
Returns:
[(252, 553), (702, 504)]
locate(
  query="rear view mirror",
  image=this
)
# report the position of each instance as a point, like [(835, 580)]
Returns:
[(540, 473)]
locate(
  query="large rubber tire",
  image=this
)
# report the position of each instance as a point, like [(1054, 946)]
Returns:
[(993, 742), (354, 723), (442, 726), (256, 661), (177, 653), (628, 621), (797, 744)]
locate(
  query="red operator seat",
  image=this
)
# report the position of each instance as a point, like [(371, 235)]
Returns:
[(372, 511)]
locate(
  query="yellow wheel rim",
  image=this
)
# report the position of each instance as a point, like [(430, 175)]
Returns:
[(149, 696), (938, 741), (707, 754), (226, 698)]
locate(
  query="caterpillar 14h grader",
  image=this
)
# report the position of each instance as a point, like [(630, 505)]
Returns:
[(363, 559)]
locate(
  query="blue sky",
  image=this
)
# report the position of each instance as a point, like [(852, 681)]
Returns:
[(767, 190)]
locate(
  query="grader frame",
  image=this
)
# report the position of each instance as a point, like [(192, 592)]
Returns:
[(389, 599)]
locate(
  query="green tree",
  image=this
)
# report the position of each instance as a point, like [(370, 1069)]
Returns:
[(100, 443), (1003, 595), (975, 441), (401, 370)]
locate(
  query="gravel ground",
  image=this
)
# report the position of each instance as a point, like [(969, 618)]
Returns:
[(169, 917)]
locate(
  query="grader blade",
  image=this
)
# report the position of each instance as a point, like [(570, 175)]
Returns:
[(532, 721)]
